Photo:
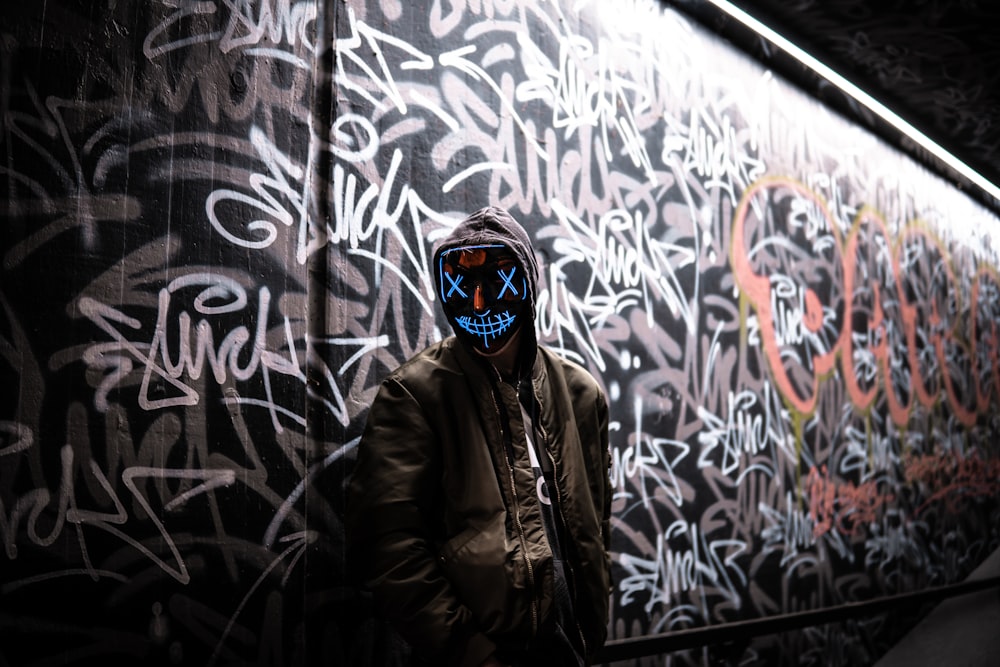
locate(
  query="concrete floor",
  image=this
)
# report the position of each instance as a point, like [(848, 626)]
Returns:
[(963, 631)]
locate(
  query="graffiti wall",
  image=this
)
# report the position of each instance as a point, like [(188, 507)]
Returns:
[(217, 223)]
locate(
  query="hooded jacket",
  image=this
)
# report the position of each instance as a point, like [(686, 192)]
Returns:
[(443, 519)]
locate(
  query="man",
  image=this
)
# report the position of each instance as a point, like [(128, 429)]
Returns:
[(478, 510)]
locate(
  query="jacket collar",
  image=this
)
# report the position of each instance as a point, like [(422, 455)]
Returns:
[(477, 365)]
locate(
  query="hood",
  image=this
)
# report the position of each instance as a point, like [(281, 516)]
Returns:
[(495, 225)]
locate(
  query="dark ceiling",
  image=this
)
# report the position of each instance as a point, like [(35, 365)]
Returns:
[(935, 63)]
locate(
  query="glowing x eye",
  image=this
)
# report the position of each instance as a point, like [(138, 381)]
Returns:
[(507, 278), (454, 282)]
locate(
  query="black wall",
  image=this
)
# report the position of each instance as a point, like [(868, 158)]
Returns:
[(217, 222)]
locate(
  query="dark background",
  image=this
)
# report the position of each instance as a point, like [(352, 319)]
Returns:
[(936, 63)]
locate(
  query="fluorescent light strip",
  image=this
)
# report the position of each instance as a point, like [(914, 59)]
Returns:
[(861, 96)]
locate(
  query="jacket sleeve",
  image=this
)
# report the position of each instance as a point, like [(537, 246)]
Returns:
[(393, 490)]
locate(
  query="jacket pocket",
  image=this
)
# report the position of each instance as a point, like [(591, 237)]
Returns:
[(481, 567)]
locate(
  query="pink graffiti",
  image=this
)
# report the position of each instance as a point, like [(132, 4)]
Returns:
[(861, 275), (844, 507), (952, 477)]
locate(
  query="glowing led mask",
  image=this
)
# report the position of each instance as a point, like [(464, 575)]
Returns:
[(483, 289)]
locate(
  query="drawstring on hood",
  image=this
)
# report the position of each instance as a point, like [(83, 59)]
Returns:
[(492, 225)]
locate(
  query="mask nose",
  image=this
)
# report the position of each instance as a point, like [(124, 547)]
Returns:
[(478, 299)]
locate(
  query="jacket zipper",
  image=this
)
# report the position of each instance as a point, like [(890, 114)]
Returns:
[(562, 519), (517, 519)]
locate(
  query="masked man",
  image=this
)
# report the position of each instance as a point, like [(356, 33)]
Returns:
[(478, 510)]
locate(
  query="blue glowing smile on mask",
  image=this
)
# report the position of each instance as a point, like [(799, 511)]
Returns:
[(487, 327)]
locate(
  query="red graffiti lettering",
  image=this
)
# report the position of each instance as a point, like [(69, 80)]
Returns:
[(845, 507), (952, 477), (889, 312)]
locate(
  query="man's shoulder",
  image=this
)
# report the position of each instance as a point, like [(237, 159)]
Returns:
[(423, 364), (577, 377)]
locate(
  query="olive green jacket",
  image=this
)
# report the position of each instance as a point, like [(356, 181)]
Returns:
[(447, 532)]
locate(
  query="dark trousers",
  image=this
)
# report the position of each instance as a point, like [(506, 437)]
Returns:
[(542, 653)]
